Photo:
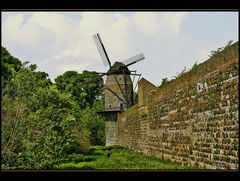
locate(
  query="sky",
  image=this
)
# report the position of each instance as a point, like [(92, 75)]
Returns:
[(62, 41)]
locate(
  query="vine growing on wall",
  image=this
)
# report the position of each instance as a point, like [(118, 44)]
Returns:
[(215, 52)]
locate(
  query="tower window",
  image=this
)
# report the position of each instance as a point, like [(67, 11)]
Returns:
[(121, 106)]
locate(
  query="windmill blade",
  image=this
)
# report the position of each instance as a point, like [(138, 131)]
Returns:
[(133, 59), (101, 50)]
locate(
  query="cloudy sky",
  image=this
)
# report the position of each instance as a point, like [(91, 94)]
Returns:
[(62, 41)]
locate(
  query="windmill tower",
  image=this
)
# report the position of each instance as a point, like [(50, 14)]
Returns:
[(118, 88)]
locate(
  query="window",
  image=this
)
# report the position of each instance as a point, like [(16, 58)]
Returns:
[(199, 87), (121, 106)]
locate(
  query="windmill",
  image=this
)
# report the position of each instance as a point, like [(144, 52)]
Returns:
[(118, 85)]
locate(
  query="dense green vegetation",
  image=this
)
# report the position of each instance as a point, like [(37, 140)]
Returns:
[(85, 88), (114, 157), (8, 62), (44, 123)]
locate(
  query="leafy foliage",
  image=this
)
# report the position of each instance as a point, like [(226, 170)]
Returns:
[(44, 124), (85, 88), (38, 131), (135, 97), (115, 157), (181, 73), (215, 52), (8, 64), (165, 81), (95, 125)]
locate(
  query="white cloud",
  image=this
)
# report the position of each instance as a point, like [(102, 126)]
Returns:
[(30, 34), (13, 21), (57, 43), (96, 21), (159, 24)]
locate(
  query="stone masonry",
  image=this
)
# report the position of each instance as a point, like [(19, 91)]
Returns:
[(121, 85), (194, 120)]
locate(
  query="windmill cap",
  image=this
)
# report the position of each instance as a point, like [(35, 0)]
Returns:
[(118, 68)]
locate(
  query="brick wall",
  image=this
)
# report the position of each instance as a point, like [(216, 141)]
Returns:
[(193, 120)]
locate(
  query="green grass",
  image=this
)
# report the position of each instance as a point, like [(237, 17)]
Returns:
[(115, 157)]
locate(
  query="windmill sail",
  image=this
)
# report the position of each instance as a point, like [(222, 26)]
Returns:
[(133, 59), (101, 50)]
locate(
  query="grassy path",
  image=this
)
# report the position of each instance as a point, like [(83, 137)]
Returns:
[(101, 157)]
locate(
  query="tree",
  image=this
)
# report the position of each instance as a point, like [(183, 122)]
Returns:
[(9, 64), (16, 107), (95, 125), (44, 124), (85, 88), (39, 123)]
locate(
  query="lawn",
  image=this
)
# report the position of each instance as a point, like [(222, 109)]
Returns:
[(114, 157)]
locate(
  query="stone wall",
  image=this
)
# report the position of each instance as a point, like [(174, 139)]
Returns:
[(193, 120), (111, 132)]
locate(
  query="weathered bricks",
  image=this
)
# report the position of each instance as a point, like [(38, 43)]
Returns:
[(193, 120)]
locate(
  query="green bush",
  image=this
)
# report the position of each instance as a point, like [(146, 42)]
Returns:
[(115, 157), (44, 125), (82, 165)]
